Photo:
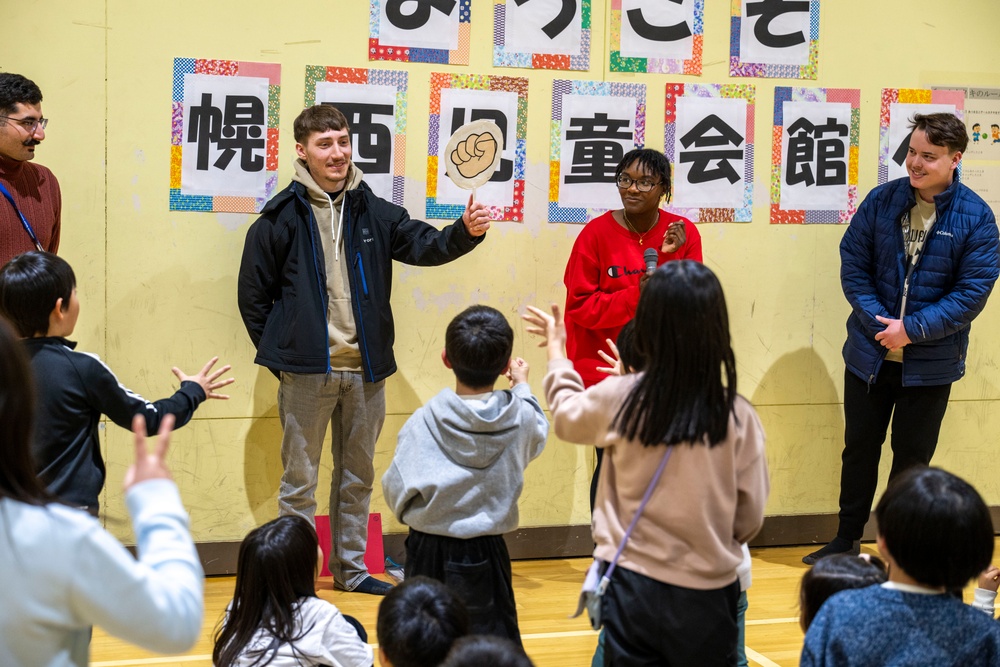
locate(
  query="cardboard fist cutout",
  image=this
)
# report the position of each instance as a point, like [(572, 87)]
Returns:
[(472, 154)]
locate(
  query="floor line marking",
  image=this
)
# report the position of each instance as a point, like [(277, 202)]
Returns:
[(759, 659)]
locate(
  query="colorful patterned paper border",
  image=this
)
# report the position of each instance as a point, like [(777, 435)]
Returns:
[(562, 87), (784, 94), (724, 90), (376, 77), (519, 85), (504, 58), (737, 67), (657, 65), (911, 96), (270, 71), (405, 54)]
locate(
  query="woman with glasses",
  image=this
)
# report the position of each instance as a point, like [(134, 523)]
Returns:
[(606, 265)]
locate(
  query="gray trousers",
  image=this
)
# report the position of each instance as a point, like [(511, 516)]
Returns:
[(355, 410)]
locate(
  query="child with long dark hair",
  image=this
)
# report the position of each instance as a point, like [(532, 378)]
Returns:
[(672, 597), (275, 618)]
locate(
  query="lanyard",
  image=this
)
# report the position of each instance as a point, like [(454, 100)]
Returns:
[(24, 221)]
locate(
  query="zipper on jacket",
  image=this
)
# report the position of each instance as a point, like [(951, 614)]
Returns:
[(359, 321), (319, 280)]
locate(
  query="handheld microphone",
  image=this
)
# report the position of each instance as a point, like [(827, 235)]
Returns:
[(650, 256)]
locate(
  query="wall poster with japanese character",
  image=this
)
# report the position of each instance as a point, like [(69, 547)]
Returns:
[(224, 135), (374, 103), (457, 99), (655, 36), (541, 34), (425, 31), (898, 107), (774, 38), (814, 155), (594, 123), (709, 140)]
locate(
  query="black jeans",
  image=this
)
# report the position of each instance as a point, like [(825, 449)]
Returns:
[(477, 570), (651, 623), (916, 414)]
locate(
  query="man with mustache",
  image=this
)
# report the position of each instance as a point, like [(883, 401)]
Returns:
[(30, 201), (314, 288)]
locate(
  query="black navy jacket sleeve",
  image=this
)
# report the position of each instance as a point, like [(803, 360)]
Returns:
[(259, 283), (419, 243), (858, 266)]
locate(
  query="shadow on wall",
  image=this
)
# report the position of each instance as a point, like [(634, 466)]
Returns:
[(262, 449), (803, 417)]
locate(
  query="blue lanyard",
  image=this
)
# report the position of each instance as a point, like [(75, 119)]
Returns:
[(24, 221)]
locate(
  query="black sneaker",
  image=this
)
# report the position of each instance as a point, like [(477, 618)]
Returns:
[(838, 546), (372, 586)]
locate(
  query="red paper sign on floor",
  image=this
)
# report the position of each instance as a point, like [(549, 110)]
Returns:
[(374, 553)]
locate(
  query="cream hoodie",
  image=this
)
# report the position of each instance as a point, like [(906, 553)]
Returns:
[(328, 211)]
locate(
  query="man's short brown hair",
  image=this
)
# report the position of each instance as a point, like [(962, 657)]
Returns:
[(942, 129), (316, 120)]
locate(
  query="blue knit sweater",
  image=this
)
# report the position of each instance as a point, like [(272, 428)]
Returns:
[(882, 626)]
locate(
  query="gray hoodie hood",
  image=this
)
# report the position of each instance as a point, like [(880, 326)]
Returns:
[(476, 430), (459, 464)]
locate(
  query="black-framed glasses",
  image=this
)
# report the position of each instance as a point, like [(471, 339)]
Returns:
[(29, 124), (642, 185)]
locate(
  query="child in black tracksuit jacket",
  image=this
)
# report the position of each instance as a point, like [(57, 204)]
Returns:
[(73, 389)]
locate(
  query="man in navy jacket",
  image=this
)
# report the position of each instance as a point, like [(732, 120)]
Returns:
[(918, 262), (314, 289)]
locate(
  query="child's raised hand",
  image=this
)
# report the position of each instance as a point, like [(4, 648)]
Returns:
[(149, 466), (208, 380), (616, 367), (549, 327), (517, 373), (990, 578)]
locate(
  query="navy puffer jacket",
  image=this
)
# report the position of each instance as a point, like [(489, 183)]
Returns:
[(949, 287)]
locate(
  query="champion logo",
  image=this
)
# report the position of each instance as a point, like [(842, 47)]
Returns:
[(615, 271)]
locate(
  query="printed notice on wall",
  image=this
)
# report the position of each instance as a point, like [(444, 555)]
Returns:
[(981, 161)]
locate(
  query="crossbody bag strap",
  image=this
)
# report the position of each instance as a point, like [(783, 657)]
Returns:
[(606, 579), (24, 221)]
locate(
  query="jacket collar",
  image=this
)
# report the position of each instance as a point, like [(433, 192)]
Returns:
[(41, 341)]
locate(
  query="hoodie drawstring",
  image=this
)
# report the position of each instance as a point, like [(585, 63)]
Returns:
[(339, 229)]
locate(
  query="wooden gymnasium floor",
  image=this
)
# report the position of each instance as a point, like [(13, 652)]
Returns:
[(546, 592)]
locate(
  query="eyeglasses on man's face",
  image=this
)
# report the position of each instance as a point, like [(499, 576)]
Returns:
[(642, 185), (29, 124)]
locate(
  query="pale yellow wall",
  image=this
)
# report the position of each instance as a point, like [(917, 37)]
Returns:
[(158, 287)]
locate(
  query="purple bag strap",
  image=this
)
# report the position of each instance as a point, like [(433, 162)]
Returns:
[(606, 579)]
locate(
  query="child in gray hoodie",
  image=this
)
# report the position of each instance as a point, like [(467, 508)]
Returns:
[(459, 470)]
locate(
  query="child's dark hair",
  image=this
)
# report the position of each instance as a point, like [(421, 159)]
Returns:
[(936, 527), (30, 285), (688, 386), (631, 361), (833, 574), (418, 621), (479, 650), (18, 480), (277, 567), (478, 343)]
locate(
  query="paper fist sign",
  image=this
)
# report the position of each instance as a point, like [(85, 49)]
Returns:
[(472, 155)]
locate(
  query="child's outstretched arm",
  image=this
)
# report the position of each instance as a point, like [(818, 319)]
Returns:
[(156, 602), (105, 394)]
